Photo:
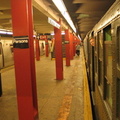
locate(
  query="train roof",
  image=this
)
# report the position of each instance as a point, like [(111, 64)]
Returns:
[(112, 14)]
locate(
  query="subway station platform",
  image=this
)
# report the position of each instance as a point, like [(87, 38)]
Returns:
[(57, 99)]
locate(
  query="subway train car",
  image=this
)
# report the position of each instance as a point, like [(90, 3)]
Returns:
[(6, 51), (103, 64)]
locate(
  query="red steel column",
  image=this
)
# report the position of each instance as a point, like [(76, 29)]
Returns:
[(37, 49), (71, 46), (46, 47), (67, 47), (58, 53), (24, 59)]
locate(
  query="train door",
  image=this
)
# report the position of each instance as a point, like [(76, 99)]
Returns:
[(116, 71), (1, 65), (7, 50), (108, 66), (89, 63), (1, 56), (92, 72)]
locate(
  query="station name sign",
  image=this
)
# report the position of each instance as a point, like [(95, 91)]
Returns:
[(52, 22)]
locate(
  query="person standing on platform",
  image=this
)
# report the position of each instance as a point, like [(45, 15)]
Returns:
[(78, 49)]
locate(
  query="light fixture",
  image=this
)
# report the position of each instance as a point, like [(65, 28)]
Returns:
[(83, 16), (61, 7), (3, 31), (79, 37)]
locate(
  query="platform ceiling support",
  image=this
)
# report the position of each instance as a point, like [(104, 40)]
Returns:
[(37, 50), (22, 24), (67, 45), (71, 46), (58, 53), (0, 84), (46, 47)]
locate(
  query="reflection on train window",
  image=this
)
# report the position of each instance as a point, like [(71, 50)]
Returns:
[(118, 99), (0, 48), (108, 93), (108, 60), (100, 63), (99, 72), (107, 33), (95, 44), (99, 45), (95, 64), (118, 45)]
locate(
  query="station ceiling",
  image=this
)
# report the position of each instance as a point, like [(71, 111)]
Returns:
[(84, 13)]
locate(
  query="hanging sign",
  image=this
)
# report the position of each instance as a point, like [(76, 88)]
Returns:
[(52, 22)]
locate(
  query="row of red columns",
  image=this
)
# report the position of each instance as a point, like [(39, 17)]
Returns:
[(70, 50), (22, 23)]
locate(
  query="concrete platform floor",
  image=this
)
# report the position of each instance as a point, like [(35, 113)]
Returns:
[(57, 99)]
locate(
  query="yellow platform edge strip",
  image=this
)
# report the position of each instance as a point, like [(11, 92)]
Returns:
[(87, 100)]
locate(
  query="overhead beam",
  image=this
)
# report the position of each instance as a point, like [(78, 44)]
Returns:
[(42, 7)]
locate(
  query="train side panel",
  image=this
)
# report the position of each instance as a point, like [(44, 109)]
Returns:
[(1, 56), (103, 65), (7, 51)]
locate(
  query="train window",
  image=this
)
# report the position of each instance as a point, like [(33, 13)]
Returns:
[(118, 45), (118, 99), (95, 62), (107, 33)]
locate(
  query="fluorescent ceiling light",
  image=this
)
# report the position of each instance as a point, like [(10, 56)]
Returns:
[(79, 37), (2, 32), (61, 7), (6, 32)]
